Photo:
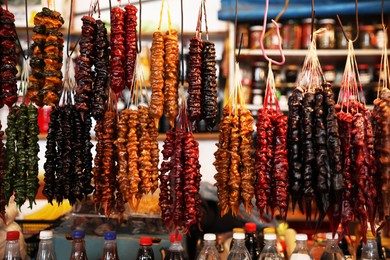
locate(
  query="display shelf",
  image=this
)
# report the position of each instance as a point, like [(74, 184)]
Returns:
[(325, 56)]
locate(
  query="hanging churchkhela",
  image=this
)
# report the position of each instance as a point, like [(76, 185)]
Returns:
[(8, 57), (164, 69), (314, 153), (21, 178), (271, 154), (68, 163), (46, 59), (180, 176), (381, 123), (357, 147), (234, 160), (137, 146)]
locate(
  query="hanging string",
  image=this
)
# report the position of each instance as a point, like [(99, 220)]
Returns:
[(357, 23), (139, 42), (68, 36), (25, 57), (278, 35), (6, 4), (205, 19), (313, 15), (182, 42)]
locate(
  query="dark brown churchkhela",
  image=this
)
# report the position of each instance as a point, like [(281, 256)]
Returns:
[(381, 118), (84, 64), (294, 145), (8, 58), (209, 85), (130, 28), (194, 79), (68, 163), (101, 64), (117, 52)]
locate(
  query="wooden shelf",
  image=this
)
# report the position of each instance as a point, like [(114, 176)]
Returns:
[(325, 56)]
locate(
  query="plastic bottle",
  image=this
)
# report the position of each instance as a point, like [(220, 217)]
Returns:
[(332, 251), (270, 252), (46, 248), (370, 248), (110, 251), (145, 251), (209, 250), (12, 247), (301, 252), (239, 251), (78, 246), (235, 230), (176, 250), (251, 242)]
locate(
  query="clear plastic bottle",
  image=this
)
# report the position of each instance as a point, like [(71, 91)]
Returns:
[(78, 246), (209, 250), (145, 251), (270, 252), (110, 251), (239, 251), (235, 230), (332, 251), (12, 247), (251, 242), (176, 250), (301, 252), (370, 248), (46, 248)]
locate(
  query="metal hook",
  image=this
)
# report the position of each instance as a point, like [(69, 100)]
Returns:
[(27, 34), (139, 43), (313, 15), (279, 38), (382, 14), (357, 23), (235, 25), (182, 42)]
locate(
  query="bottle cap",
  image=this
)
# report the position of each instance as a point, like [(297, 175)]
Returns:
[(301, 237), (145, 241), (78, 234), (110, 235), (327, 21), (269, 236), (250, 227), (256, 28), (269, 230), (46, 234), (238, 236), (209, 237), (12, 235), (238, 230), (174, 238), (329, 236)]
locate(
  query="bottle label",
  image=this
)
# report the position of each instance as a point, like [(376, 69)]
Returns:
[(299, 257)]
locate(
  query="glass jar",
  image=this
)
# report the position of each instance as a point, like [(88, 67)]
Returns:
[(329, 73), (291, 73), (246, 90), (292, 35), (367, 36), (364, 73), (271, 41), (341, 42), (377, 72), (306, 32), (326, 40), (255, 35), (259, 75), (257, 97), (278, 75), (243, 29), (379, 36)]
